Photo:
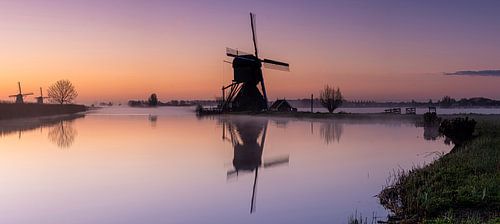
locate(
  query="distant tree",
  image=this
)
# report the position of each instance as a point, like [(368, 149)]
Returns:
[(174, 102), (62, 92), (153, 100), (330, 98), (447, 101)]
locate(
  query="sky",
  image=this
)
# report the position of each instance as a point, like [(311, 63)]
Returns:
[(372, 50)]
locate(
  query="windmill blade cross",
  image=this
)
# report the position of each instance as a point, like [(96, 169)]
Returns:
[(254, 33), (234, 53), (277, 65), (277, 162), (232, 174)]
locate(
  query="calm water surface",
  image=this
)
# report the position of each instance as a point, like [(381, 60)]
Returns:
[(419, 110), (123, 165)]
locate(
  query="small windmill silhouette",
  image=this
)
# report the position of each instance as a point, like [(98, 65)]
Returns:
[(20, 96), (39, 99)]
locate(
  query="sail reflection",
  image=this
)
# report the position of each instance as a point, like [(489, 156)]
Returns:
[(248, 137)]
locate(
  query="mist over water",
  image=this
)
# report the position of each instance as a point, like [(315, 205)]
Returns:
[(419, 110), (165, 165)]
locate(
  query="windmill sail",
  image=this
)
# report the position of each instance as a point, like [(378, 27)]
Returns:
[(235, 53), (277, 65), (254, 33)]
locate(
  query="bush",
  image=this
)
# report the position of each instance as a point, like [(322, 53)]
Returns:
[(458, 130)]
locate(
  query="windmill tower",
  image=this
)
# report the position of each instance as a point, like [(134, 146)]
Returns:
[(20, 96), (39, 99), (243, 92)]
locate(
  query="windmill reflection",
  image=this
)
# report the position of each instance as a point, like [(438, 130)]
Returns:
[(331, 131), (248, 137), (62, 134)]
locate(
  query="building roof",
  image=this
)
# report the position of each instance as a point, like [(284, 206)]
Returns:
[(279, 104)]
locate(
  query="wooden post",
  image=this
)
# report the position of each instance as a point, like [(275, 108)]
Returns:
[(312, 103), (223, 99)]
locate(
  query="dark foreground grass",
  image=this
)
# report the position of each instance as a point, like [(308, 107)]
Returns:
[(462, 186)]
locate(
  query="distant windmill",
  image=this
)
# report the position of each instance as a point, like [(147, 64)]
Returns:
[(20, 96), (39, 99), (244, 94), (244, 136)]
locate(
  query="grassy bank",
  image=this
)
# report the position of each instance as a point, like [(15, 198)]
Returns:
[(462, 186), (12, 111)]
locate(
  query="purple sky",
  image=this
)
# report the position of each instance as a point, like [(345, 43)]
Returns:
[(387, 50)]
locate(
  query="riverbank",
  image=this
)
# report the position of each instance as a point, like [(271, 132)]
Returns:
[(462, 186), (14, 111)]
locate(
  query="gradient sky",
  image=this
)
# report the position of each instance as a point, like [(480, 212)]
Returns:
[(376, 50)]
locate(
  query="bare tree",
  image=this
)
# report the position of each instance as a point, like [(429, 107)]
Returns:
[(62, 92), (330, 98)]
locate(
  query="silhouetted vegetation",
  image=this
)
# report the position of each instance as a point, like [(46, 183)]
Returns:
[(458, 130), (62, 92), (153, 100), (360, 219), (11, 110), (431, 126), (447, 101), (175, 103), (330, 98), (459, 187), (431, 118)]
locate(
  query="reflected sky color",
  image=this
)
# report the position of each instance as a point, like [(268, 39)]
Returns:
[(130, 169), (381, 50)]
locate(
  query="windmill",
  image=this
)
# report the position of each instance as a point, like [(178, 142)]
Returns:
[(20, 96), (244, 136), (243, 93), (39, 99)]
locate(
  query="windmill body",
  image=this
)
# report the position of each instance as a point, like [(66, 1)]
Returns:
[(39, 99), (244, 93)]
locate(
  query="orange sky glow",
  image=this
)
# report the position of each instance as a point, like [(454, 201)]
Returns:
[(121, 50)]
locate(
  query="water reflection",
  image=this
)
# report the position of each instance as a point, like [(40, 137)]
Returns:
[(152, 120), (61, 130), (431, 132), (331, 131), (281, 123), (62, 134), (248, 138), (174, 173)]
